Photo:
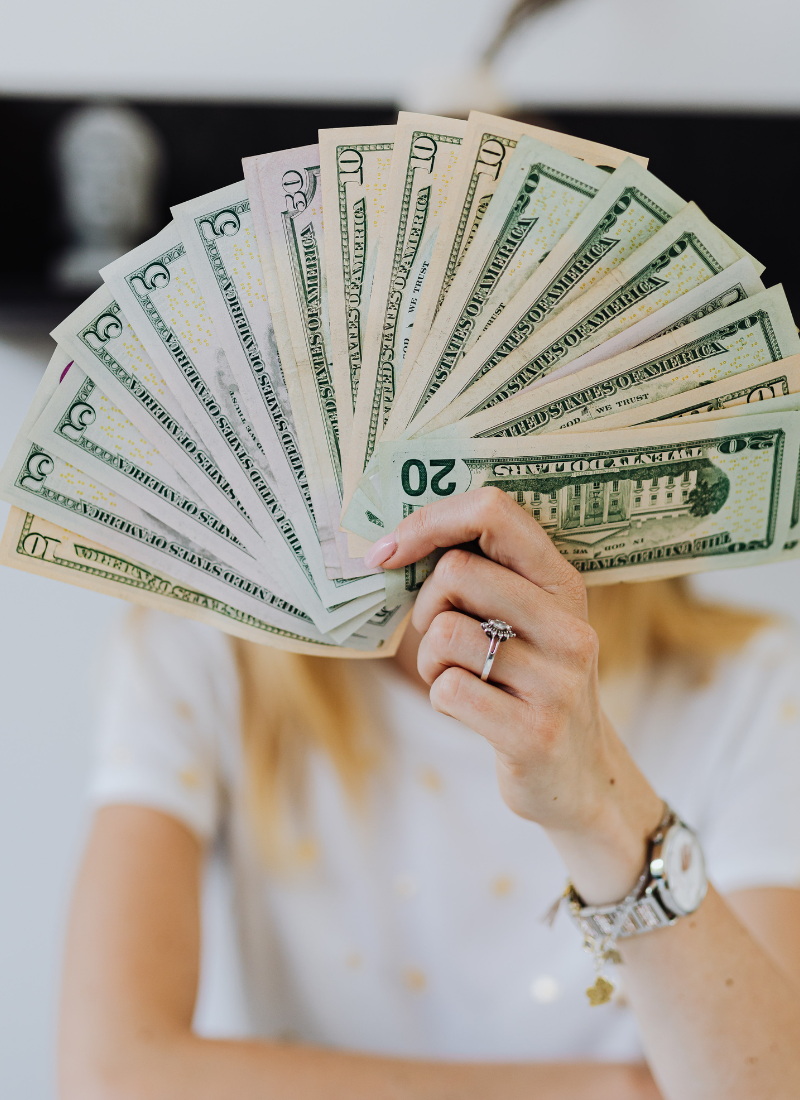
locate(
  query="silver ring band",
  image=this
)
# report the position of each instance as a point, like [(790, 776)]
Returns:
[(497, 632)]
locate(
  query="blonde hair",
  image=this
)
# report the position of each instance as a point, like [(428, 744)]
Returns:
[(291, 704)]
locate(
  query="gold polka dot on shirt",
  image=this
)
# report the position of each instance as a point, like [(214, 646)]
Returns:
[(790, 710), (431, 780), (405, 886), (184, 710), (414, 979), (502, 886), (306, 851), (190, 777)]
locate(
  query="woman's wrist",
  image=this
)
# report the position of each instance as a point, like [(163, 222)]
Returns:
[(606, 853)]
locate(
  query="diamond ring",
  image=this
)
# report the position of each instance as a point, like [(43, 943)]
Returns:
[(497, 631)]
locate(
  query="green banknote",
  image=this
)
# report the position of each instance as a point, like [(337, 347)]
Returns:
[(487, 148), (355, 169), (637, 504), (156, 286), (424, 172), (98, 337), (35, 545), (541, 194), (289, 364), (292, 196), (217, 231), (734, 284), (687, 251), (755, 331), (630, 208), (83, 427), (751, 388), (62, 492), (34, 478)]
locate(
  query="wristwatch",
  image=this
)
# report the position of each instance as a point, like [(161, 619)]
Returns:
[(672, 886)]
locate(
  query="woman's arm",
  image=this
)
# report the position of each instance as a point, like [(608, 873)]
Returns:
[(720, 1015), (131, 981)]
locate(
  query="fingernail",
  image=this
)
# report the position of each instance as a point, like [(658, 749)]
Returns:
[(380, 551)]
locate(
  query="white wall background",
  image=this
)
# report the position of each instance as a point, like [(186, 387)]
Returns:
[(716, 53), (48, 637)]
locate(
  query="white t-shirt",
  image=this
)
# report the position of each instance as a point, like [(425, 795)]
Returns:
[(417, 928)]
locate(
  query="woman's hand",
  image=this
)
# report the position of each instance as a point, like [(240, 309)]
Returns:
[(559, 761)]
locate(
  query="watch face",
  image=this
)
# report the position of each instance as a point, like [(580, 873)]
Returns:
[(684, 870)]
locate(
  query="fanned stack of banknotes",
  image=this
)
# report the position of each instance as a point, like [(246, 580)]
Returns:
[(385, 319)]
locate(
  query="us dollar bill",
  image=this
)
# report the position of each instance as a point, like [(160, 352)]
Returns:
[(64, 494), (289, 367), (336, 566), (424, 171), (734, 284), (629, 209), (744, 336), (83, 427), (687, 251), (35, 545), (292, 197), (486, 151), (156, 287), (355, 168), (217, 231), (98, 337), (749, 388), (541, 194), (672, 498)]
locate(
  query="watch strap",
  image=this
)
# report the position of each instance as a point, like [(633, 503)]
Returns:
[(607, 923), (641, 911)]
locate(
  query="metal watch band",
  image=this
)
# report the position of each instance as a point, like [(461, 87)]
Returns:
[(641, 911), (627, 918)]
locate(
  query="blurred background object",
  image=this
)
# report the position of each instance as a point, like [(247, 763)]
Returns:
[(103, 178), (108, 161), (99, 178), (111, 113)]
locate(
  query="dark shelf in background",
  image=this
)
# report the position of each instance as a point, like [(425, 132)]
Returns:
[(701, 156), (203, 142)]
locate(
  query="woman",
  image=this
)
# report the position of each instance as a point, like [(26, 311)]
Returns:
[(390, 925)]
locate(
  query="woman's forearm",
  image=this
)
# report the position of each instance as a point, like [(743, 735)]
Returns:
[(190, 1068), (720, 1020), (719, 1017)]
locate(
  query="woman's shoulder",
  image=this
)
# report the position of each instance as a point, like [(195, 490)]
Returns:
[(746, 714), (159, 660), (167, 718), (769, 658), (750, 795), (167, 641)]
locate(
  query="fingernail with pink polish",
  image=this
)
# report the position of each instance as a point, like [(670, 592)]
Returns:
[(380, 551)]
